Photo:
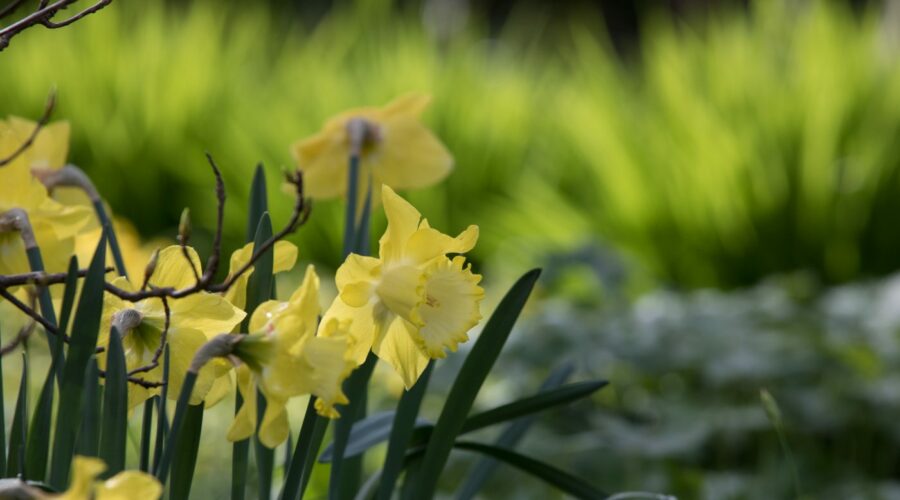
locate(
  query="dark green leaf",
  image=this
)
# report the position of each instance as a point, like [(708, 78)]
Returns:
[(258, 201), (510, 437), (401, 433), (368, 432), (89, 435), (265, 457), (566, 482), (146, 428), (184, 460), (2, 422), (355, 387), (471, 376), (100, 210), (114, 426), (177, 431), (38, 446), (162, 416), (36, 262), (530, 405), (81, 350), (19, 430)]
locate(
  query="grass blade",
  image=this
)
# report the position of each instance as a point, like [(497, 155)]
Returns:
[(184, 460), (81, 350), (19, 430), (401, 433), (115, 407), (472, 375), (510, 437), (562, 480)]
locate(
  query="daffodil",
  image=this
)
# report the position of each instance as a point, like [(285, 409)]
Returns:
[(194, 319), (396, 149), (126, 485), (54, 224), (412, 302), (301, 363)]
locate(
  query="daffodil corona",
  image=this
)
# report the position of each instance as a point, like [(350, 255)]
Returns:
[(394, 148), (300, 362), (412, 302)]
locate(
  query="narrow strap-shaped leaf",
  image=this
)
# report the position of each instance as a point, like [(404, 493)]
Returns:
[(288, 448), (175, 433), (114, 427), (562, 480), (366, 433), (65, 317), (240, 455), (36, 262), (401, 433), (471, 376), (146, 428), (184, 460), (355, 387), (510, 437), (38, 446), (259, 203), (259, 290), (162, 416), (19, 430), (81, 349), (89, 435), (533, 404)]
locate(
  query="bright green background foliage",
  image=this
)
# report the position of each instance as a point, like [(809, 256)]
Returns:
[(722, 151)]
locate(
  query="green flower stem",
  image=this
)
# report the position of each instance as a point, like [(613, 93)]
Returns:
[(146, 424), (350, 214), (105, 221), (36, 262)]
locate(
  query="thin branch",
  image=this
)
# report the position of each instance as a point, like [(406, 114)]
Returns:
[(40, 278), (148, 384), (45, 118), (44, 15)]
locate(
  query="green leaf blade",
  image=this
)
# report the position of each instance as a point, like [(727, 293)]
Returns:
[(114, 427)]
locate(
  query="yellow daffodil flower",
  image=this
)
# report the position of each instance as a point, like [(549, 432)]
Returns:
[(126, 485), (284, 259), (412, 302), (301, 363), (194, 320), (54, 224), (398, 150)]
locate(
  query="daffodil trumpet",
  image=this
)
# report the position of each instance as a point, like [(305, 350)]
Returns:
[(72, 176)]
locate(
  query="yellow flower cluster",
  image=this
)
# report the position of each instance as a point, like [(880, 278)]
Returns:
[(414, 301)]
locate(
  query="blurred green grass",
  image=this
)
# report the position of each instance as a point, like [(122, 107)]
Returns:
[(724, 150)]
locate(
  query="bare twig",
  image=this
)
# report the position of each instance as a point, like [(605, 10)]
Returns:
[(45, 118), (44, 15), (39, 278)]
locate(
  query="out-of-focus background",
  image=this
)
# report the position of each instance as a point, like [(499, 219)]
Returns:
[(713, 189)]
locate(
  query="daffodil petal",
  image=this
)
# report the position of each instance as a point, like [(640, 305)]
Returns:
[(398, 348), (403, 220), (411, 156), (274, 428), (207, 312), (411, 105), (173, 268), (357, 268), (129, 485), (331, 365), (362, 330), (244, 423)]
